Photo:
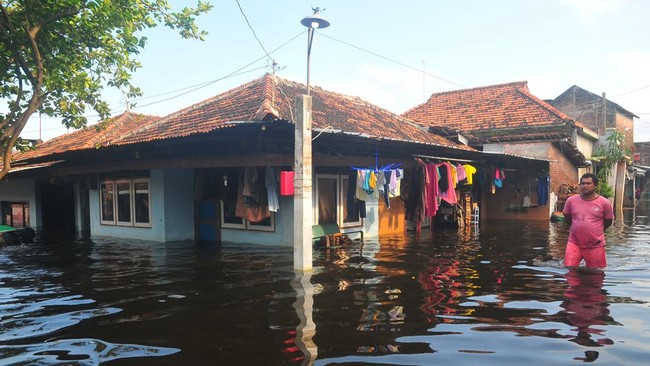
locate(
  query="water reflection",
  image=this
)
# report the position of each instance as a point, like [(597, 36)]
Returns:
[(498, 295), (587, 309)]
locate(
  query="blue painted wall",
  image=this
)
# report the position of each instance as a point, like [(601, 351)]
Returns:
[(282, 236), (23, 190), (172, 214), (178, 203)]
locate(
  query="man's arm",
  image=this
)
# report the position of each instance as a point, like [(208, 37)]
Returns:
[(608, 223), (567, 219)]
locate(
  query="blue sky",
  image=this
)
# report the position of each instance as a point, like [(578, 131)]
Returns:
[(396, 53)]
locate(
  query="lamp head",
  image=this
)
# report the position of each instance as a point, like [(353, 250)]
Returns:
[(315, 20)]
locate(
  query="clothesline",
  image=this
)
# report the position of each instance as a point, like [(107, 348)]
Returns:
[(445, 158), (387, 167)]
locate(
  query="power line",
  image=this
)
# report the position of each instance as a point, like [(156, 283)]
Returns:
[(253, 30), (394, 61), (632, 91)]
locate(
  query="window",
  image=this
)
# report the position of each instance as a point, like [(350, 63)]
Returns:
[(331, 201), (125, 202), (231, 181), (15, 214), (345, 222)]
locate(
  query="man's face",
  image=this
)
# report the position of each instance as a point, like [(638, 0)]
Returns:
[(587, 186)]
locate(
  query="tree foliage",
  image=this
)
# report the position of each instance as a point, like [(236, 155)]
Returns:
[(609, 155), (56, 56)]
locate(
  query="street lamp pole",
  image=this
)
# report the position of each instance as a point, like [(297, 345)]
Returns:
[(312, 22), (303, 216)]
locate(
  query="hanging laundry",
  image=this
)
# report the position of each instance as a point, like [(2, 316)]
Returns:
[(431, 189), (448, 195), (355, 208), (253, 206), (460, 173), (443, 183), (498, 177), (469, 172), (542, 190)]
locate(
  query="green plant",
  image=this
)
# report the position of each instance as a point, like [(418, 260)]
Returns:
[(609, 155), (604, 189)]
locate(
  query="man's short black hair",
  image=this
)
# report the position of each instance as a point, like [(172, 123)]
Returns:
[(594, 178)]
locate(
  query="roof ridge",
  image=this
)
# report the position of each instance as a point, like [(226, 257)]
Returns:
[(189, 108), (515, 84), (268, 100), (546, 105)]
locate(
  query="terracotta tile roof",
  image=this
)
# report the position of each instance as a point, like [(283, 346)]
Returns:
[(266, 99), (502, 106), (271, 98), (98, 135)]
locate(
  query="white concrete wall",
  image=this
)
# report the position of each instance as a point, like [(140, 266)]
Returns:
[(585, 145)]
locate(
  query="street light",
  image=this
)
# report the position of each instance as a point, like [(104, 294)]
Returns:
[(312, 22)]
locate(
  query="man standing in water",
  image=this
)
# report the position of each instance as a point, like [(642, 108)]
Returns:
[(589, 214)]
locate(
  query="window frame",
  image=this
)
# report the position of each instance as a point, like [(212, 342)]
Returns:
[(134, 196), (102, 221), (340, 199), (245, 224), (342, 206), (131, 202)]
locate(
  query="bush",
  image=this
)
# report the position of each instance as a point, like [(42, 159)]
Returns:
[(605, 190)]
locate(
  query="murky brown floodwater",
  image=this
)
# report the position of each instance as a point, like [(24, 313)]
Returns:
[(498, 296)]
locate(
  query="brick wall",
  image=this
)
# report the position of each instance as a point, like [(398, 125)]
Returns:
[(562, 169)]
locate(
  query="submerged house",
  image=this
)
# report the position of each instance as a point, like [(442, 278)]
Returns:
[(508, 119), (209, 171)]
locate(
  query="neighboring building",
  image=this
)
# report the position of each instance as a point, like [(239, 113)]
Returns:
[(604, 116), (508, 119)]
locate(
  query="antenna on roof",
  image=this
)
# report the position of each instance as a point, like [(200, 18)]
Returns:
[(275, 67), (126, 101)]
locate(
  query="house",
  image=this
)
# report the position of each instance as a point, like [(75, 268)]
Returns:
[(508, 119), (181, 176), (604, 116)]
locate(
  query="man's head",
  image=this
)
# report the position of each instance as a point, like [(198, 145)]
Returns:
[(588, 184), (594, 178)]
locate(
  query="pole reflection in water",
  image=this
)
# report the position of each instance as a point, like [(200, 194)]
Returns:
[(304, 306)]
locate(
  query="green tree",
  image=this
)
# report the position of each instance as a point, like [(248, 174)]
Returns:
[(609, 155), (56, 57)]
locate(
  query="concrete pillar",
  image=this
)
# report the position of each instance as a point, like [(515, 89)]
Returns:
[(303, 215)]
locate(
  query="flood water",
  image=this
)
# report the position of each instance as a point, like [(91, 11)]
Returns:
[(494, 295)]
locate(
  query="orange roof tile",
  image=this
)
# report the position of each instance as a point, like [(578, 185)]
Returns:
[(269, 98), (101, 134), (509, 105)]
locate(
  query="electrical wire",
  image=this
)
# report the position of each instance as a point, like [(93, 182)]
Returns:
[(632, 91), (392, 60), (253, 30)]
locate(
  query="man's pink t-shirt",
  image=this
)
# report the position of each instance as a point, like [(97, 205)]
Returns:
[(587, 220)]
